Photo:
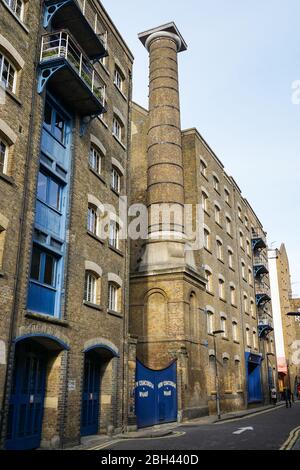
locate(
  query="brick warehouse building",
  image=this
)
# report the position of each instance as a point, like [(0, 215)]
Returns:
[(64, 139), (68, 365), (177, 303)]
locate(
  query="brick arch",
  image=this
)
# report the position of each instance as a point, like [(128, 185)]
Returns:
[(101, 343)]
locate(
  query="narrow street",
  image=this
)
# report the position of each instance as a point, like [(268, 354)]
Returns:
[(265, 431)]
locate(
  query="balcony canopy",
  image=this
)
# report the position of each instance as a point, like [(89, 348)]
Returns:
[(68, 72), (81, 19), (258, 243)]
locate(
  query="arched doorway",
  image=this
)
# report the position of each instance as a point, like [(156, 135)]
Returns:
[(35, 372), (97, 382)]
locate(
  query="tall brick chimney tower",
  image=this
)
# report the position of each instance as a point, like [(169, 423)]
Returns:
[(166, 246)]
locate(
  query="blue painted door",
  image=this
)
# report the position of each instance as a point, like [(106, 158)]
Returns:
[(91, 395), (253, 364), (26, 405), (156, 395)]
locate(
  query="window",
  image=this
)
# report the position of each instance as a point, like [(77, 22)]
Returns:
[(91, 288), (17, 6), (233, 295), (2, 241), (221, 289), (118, 79), (228, 225), (226, 375), (115, 180), (93, 220), (254, 339), (227, 196), (210, 322), (216, 183), (7, 74), (252, 308), (248, 247), (248, 342), (3, 156), (114, 235), (49, 191), (203, 168), (209, 278), (220, 250), (246, 303), (246, 222), (230, 258), (206, 239), (235, 331), (240, 212), (113, 297), (250, 277), (243, 270), (217, 214), (96, 160), (54, 122), (238, 375), (241, 240), (204, 201), (43, 267), (104, 61), (117, 129), (224, 326)]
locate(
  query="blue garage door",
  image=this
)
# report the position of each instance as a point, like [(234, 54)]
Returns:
[(156, 395), (27, 399)]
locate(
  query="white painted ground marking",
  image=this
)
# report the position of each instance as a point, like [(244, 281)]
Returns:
[(241, 430)]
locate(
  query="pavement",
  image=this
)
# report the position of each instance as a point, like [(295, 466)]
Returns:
[(173, 429)]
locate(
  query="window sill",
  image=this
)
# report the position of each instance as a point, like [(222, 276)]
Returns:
[(208, 250), (6, 178), (13, 97), (116, 251), (219, 224), (121, 93), (46, 318), (206, 212), (221, 260), (97, 174), (225, 338), (204, 176), (234, 306), (228, 204), (210, 293), (236, 342), (228, 392), (16, 18), (103, 122), (95, 237), (232, 269), (115, 314), (104, 68), (223, 300), (240, 391), (115, 191), (93, 306), (119, 142)]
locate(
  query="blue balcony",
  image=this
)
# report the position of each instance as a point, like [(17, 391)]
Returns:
[(82, 20), (260, 267), (68, 72), (263, 295), (258, 243), (264, 327)]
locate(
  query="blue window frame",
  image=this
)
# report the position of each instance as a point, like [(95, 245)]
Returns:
[(49, 191), (43, 267), (54, 122)]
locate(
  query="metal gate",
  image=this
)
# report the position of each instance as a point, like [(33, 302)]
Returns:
[(90, 398), (253, 368), (26, 405), (156, 395)]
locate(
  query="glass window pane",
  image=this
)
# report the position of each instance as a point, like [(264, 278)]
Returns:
[(49, 270), (48, 116), (54, 195), (59, 127), (42, 187), (35, 264)]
